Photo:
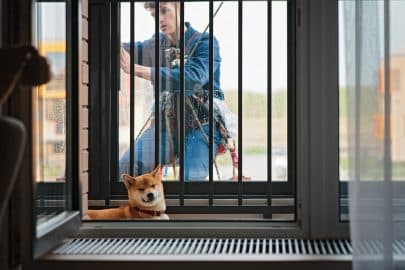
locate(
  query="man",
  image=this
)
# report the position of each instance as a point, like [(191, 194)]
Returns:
[(196, 83)]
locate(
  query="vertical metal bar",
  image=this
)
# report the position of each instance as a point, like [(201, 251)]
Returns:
[(157, 84), (269, 98), (357, 60), (291, 22), (132, 90), (388, 235), (72, 110), (240, 111), (181, 144), (357, 77), (211, 103), (110, 140), (40, 104)]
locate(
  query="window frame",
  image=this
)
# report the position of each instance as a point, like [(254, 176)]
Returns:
[(104, 140), (317, 213), (61, 226), (320, 81)]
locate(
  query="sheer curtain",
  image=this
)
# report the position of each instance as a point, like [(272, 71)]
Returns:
[(375, 78)]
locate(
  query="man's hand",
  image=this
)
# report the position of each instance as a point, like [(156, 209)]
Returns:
[(140, 71)]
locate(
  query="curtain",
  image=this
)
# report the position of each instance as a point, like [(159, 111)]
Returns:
[(374, 48)]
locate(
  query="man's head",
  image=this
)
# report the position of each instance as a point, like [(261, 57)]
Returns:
[(169, 16)]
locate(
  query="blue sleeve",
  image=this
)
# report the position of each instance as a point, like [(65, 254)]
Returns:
[(196, 69), (142, 52)]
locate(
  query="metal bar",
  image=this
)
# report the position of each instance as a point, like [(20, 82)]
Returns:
[(269, 99), (220, 188), (206, 246), (116, 242), (157, 84), (181, 144), (173, 246), (234, 209), (240, 111), (139, 246), (192, 245), (211, 103), (111, 124), (212, 244), (132, 90), (388, 238), (357, 75), (120, 245), (291, 140), (72, 111), (165, 247), (131, 246), (180, 245), (41, 124), (152, 249)]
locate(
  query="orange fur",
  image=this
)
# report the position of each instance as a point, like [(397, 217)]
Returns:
[(140, 191)]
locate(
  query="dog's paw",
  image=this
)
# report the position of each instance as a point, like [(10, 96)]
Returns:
[(162, 217)]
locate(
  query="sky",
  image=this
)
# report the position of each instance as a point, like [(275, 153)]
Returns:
[(52, 20), (397, 33), (226, 31)]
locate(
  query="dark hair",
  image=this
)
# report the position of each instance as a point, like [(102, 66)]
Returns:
[(148, 5)]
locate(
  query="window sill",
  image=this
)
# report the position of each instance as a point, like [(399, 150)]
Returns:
[(52, 232), (189, 228)]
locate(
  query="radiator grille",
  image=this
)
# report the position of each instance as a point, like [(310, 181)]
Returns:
[(204, 246), (226, 248)]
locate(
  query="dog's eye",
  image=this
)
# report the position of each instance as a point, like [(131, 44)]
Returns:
[(153, 186), (141, 189)]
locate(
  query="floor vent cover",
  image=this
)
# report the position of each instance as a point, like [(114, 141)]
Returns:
[(223, 249), (205, 246)]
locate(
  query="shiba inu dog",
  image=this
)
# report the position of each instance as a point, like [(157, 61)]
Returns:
[(145, 199)]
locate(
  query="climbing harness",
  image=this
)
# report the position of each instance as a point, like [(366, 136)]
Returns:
[(168, 102)]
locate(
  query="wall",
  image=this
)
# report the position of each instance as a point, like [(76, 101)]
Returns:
[(84, 108)]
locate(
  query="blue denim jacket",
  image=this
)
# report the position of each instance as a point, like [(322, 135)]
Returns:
[(196, 68)]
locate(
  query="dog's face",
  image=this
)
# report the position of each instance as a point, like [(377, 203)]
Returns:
[(146, 190)]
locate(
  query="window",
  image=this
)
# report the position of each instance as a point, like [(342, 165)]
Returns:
[(304, 120), (370, 121), (53, 127), (261, 100), (50, 99)]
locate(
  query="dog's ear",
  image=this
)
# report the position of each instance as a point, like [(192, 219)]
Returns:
[(128, 180), (157, 172)]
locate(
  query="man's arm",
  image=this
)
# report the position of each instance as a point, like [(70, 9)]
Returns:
[(143, 72), (142, 56), (196, 69)]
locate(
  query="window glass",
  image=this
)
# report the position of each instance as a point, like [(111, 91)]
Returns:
[(255, 90), (49, 117), (397, 85), (259, 87), (371, 108)]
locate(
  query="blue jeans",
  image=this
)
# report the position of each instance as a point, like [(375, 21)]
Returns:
[(195, 153)]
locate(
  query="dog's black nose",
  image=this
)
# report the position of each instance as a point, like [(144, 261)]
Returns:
[(150, 196)]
